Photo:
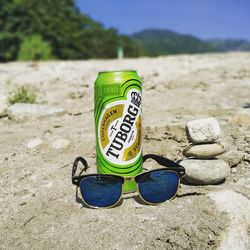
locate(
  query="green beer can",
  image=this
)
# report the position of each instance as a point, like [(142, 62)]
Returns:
[(118, 124)]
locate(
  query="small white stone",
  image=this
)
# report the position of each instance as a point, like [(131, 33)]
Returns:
[(34, 143), (205, 172), (246, 157), (233, 170), (203, 130), (61, 144), (20, 111)]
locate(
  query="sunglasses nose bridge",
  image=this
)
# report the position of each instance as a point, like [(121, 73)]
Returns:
[(130, 180)]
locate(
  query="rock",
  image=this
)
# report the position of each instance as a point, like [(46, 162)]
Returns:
[(3, 105), (61, 144), (236, 206), (203, 130), (205, 172), (233, 170), (242, 118), (205, 151), (34, 143), (246, 157), (20, 111)]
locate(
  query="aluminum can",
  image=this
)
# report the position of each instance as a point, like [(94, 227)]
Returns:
[(118, 124)]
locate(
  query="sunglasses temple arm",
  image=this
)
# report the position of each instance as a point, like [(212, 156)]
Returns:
[(161, 160), (74, 168)]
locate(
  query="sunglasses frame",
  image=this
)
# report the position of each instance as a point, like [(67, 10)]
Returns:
[(169, 166)]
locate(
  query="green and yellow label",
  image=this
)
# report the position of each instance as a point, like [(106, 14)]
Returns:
[(119, 129)]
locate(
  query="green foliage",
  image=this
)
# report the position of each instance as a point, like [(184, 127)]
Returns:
[(34, 48), (8, 46), (23, 94), (70, 34)]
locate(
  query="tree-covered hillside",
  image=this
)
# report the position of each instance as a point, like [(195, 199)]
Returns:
[(163, 42), (230, 44)]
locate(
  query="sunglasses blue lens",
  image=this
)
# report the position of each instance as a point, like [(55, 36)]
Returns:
[(158, 186), (101, 191)]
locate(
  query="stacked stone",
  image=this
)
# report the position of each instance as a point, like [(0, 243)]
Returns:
[(202, 166)]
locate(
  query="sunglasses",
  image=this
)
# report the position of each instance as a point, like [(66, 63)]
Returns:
[(153, 187)]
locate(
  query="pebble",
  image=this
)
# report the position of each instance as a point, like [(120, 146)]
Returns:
[(203, 130), (61, 144), (205, 172), (21, 111), (233, 170), (205, 151), (3, 105), (242, 118), (246, 157), (34, 143)]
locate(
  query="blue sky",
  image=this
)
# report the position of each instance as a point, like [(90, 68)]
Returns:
[(203, 18)]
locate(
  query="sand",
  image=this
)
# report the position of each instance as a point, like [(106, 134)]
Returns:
[(39, 208)]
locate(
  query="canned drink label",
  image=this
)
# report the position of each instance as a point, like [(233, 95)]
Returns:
[(120, 128)]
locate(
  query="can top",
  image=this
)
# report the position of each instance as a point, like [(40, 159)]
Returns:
[(117, 71), (118, 76)]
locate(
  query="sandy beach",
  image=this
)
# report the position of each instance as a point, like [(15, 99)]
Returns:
[(39, 207)]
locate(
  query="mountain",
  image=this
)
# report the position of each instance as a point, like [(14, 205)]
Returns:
[(230, 44), (163, 42)]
